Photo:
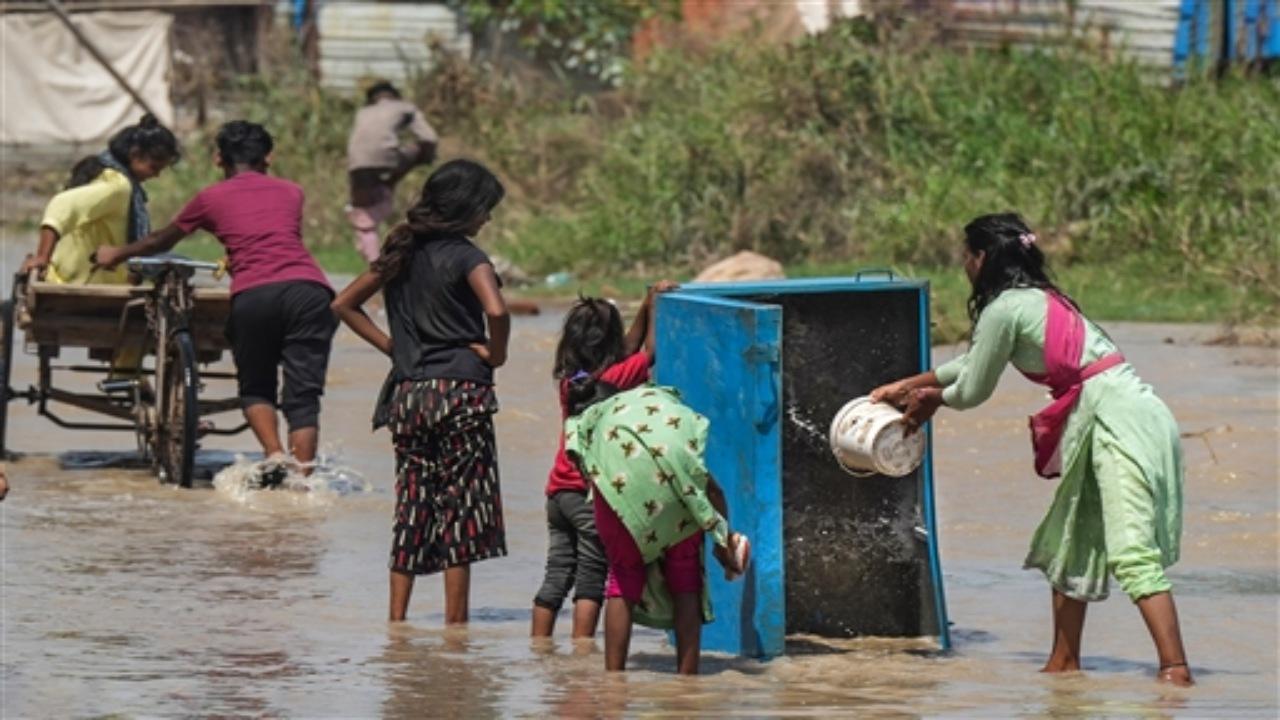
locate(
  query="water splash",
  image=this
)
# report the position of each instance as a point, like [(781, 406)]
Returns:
[(329, 479), (813, 434)]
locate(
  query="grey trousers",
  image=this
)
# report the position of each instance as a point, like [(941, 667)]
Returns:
[(575, 556)]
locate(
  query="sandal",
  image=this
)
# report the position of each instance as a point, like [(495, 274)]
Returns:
[(271, 473)]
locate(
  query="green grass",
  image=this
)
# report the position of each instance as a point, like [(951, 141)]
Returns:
[(1107, 293), (863, 146), (856, 148), (1124, 292)]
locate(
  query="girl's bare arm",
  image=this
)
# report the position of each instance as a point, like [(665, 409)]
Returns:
[(484, 283), (157, 242), (651, 320), (349, 307), (44, 251), (716, 497), (639, 326), (898, 393)]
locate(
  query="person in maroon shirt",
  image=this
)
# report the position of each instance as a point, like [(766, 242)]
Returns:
[(591, 344), (280, 316)]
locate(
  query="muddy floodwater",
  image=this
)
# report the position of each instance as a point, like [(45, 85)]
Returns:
[(123, 597)]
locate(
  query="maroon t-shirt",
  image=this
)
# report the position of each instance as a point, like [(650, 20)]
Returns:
[(259, 220), (624, 375)]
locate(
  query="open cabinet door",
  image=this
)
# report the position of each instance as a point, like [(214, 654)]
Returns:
[(724, 356), (861, 554)]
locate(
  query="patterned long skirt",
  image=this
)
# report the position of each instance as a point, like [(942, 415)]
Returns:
[(448, 502)]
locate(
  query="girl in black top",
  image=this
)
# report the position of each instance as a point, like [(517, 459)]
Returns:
[(438, 402)]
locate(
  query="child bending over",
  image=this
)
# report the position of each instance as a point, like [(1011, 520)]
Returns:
[(592, 343), (654, 499)]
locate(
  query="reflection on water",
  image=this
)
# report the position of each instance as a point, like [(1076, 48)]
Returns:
[(442, 669), (204, 466), (124, 596)]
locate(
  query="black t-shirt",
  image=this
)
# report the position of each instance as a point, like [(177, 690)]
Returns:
[(435, 316)]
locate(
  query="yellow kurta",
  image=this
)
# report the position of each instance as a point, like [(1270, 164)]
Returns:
[(86, 218)]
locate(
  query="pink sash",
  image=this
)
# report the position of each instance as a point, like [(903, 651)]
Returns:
[(1063, 347)]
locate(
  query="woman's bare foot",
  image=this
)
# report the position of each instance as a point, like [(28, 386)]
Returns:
[(1176, 674), (1061, 665)]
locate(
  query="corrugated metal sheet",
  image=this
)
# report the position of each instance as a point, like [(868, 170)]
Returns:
[(392, 41), (98, 5), (1143, 28)]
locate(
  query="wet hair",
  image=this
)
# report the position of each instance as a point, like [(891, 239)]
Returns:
[(1013, 259), (378, 88), (585, 392), (453, 199), (241, 142), (591, 341), (85, 171), (592, 338), (148, 138)]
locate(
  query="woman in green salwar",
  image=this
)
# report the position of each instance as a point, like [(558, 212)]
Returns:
[(1118, 508)]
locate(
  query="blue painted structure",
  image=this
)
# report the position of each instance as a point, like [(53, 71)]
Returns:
[(723, 346), (730, 374), (1220, 32)]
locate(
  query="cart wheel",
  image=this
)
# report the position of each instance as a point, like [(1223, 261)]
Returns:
[(179, 411), (6, 365)]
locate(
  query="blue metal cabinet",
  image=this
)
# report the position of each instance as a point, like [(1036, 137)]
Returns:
[(723, 356), (769, 364)]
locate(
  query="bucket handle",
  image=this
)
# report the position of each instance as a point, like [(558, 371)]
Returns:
[(886, 272)]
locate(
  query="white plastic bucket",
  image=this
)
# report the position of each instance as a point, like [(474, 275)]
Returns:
[(870, 438)]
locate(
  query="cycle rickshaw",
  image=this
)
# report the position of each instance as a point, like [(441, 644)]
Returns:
[(178, 325)]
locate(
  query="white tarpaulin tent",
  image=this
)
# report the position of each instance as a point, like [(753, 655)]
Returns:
[(52, 91)]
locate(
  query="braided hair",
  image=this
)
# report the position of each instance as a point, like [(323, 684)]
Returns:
[(456, 196), (592, 340)]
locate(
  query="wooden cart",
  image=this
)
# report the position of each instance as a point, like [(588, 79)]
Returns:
[(147, 342)]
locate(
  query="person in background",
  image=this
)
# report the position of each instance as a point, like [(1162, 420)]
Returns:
[(103, 205), (4, 482), (377, 159), (280, 317), (1118, 507), (438, 401), (592, 342)]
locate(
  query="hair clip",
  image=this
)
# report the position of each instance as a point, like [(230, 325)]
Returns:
[(580, 375), (1028, 239)]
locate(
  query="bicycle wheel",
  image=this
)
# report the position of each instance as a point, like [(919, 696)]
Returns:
[(179, 411), (6, 369)]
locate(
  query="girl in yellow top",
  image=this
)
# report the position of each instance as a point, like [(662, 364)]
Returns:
[(103, 205)]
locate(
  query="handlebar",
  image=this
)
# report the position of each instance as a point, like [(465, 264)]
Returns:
[(140, 264), (155, 266)]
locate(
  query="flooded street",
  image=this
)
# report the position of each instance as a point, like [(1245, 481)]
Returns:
[(125, 597)]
